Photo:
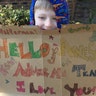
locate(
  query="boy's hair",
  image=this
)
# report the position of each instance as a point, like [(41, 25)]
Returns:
[(43, 4)]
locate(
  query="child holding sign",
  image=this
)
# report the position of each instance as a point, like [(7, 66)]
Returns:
[(49, 14)]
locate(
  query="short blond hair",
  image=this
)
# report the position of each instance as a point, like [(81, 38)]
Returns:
[(43, 4)]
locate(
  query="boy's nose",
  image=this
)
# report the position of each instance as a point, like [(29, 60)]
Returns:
[(48, 24)]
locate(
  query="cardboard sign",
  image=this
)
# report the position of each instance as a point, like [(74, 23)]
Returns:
[(36, 62)]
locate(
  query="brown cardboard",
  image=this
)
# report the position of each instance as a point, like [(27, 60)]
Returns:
[(35, 62)]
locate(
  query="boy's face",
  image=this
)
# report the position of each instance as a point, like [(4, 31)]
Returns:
[(45, 19)]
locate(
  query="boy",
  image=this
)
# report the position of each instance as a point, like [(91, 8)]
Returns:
[(49, 14)]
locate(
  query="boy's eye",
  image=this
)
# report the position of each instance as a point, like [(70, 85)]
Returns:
[(54, 18), (42, 18)]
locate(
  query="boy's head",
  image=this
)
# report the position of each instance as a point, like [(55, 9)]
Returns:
[(49, 14), (44, 15)]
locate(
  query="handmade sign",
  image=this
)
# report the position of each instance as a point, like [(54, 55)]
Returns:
[(36, 62)]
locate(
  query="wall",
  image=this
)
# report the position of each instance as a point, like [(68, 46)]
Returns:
[(83, 11), (17, 3), (25, 3)]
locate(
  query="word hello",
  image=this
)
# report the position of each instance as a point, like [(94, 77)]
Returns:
[(17, 50)]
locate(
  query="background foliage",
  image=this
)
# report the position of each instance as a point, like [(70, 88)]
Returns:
[(10, 16)]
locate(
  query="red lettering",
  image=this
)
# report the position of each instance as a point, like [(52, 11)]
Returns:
[(44, 48), (4, 48), (56, 72), (20, 84), (24, 56), (29, 71)]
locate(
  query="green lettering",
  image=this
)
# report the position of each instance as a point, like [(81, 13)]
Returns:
[(13, 49), (31, 50)]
